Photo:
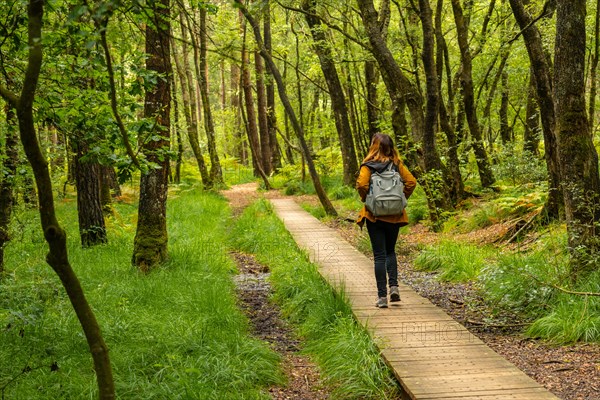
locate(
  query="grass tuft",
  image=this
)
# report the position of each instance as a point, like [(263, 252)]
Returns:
[(456, 262), (348, 359)]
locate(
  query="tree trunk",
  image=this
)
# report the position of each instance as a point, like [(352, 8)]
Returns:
[(150, 243), (457, 187), (593, 71), (325, 202), (531, 137), (437, 187), (188, 94), (466, 79), (261, 108), (10, 160), (57, 257), (336, 93), (540, 65), (577, 154), (216, 173), (92, 229), (372, 102), (177, 136), (236, 105), (270, 88), (251, 125), (505, 131)]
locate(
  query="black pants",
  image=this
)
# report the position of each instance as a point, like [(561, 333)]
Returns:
[(383, 237)]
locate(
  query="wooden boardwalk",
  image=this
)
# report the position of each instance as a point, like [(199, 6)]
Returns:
[(433, 356)]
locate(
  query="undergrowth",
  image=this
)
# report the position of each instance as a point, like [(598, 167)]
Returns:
[(175, 333), (348, 359)]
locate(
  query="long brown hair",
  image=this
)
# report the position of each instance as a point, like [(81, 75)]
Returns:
[(382, 150)]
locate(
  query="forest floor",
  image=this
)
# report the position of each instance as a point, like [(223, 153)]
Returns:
[(254, 293), (571, 372)]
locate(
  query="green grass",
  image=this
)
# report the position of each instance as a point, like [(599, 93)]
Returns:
[(455, 261), (348, 359), (175, 333)]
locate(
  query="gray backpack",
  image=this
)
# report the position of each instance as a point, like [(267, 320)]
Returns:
[(386, 193)]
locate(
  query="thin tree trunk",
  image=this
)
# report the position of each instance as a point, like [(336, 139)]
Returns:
[(505, 131), (57, 257), (236, 105), (325, 202), (252, 127), (593, 71), (577, 154), (540, 65), (336, 93), (188, 94), (261, 108), (177, 132), (485, 172), (372, 102), (150, 243), (531, 136), (457, 188), (270, 89), (216, 173)]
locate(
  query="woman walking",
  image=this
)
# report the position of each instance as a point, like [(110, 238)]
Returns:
[(383, 230)]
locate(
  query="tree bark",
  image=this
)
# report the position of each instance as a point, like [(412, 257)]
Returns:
[(505, 131), (336, 93), (325, 202), (541, 68), (251, 125), (577, 154), (466, 79), (531, 141), (261, 108), (437, 186), (55, 236), (92, 229), (457, 187), (10, 160), (216, 173), (150, 243), (593, 71), (241, 151), (188, 94), (270, 89)]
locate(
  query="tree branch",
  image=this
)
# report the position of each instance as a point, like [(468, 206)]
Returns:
[(9, 96)]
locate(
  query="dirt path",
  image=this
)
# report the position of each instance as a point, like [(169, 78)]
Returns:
[(254, 292)]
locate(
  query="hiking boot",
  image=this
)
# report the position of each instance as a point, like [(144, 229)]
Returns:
[(381, 302), (394, 294)]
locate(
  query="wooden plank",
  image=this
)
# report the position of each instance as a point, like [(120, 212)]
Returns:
[(433, 356)]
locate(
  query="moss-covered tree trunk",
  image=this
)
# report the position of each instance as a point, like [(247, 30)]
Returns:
[(541, 68), (55, 236), (10, 159), (150, 243), (577, 154)]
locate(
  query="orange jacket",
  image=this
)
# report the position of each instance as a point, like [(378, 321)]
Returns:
[(362, 185)]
